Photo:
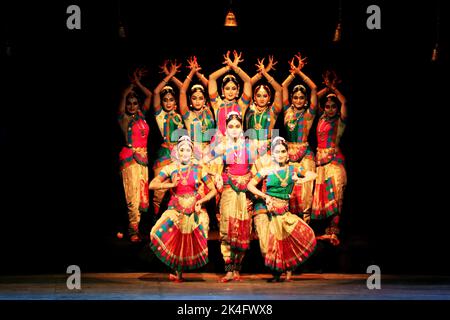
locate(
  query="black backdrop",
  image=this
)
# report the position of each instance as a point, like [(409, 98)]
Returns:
[(61, 192)]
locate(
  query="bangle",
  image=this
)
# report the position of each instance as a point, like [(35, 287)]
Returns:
[(305, 79), (190, 79), (292, 75), (164, 81), (271, 80), (238, 71)]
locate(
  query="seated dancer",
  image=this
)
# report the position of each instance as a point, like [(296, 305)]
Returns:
[(331, 175), (232, 175), (133, 156), (290, 241), (180, 237)]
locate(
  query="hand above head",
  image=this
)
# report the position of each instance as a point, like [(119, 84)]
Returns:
[(237, 58), (193, 64), (301, 61), (128, 90), (164, 68), (260, 65), (174, 68), (271, 64), (330, 79), (227, 59)]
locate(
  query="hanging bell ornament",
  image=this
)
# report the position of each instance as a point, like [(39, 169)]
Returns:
[(434, 56), (337, 33), (230, 19)]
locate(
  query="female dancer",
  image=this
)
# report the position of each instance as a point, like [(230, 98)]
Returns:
[(290, 241), (331, 174), (179, 237), (234, 207), (133, 156), (298, 118), (230, 91), (169, 121), (198, 119), (260, 120)]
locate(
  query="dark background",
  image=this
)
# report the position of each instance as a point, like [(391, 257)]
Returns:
[(62, 201)]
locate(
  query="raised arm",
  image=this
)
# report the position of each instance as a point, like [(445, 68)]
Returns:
[(288, 81), (342, 100), (278, 97), (123, 98), (241, 73), (212, 82), (156, 98), (269, 67), (307, 81), (183, 95), (137, 76), (200, 76)]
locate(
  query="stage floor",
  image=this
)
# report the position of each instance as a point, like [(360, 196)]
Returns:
[(205, 286)]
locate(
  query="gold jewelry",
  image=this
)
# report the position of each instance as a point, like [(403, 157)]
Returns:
[(184, 179), (202, 119), (291, 122), (258, 125), (283, 181)]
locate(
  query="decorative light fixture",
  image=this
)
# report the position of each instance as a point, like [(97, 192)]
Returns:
[(230, 18), (122, 32), (435, 54), (338, 31)]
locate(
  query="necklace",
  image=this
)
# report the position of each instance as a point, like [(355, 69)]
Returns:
[(237, 151), (258, 125), (283, 181), (292, 121), (201, 116), (176, 119), (184, 179)]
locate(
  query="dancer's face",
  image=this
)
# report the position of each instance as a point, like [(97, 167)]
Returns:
[(234, 129), (262, 97), (132, 105), (184, 152), (330, 108), (299, 99), (230, 91), (168, 102), (280, 154), (197, 100)]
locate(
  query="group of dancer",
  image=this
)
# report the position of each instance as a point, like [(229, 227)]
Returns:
[(220, 146)]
